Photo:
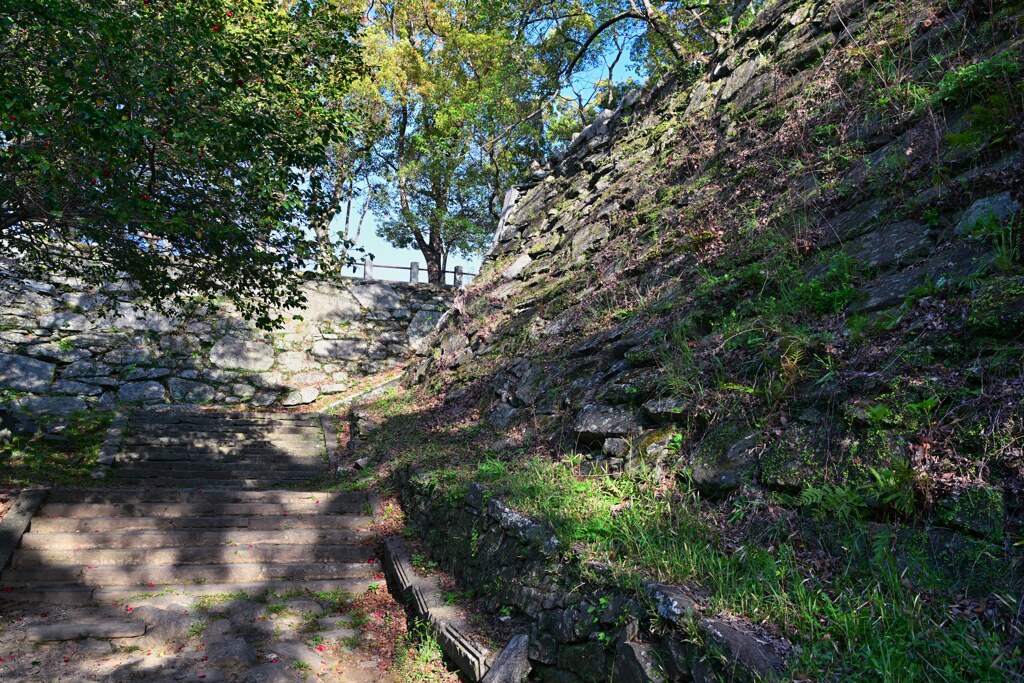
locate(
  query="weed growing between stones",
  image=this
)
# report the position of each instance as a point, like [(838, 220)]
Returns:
[(61, 456), (860, 599)]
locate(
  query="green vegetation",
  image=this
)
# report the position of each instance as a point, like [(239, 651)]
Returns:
[(644, 530), (419, 659), (62, 458), (125, 124)]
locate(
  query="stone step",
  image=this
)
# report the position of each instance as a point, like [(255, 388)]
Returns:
[(269, 523), (226, 485), (224, 421), (304, 554), (207, 507), (229, 431), (196, 495), (223, 455), (78, 630), (143, 471), (304, 447), (163, 574), (180, 539), (78, 594)]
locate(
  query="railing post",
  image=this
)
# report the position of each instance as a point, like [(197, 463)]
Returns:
[(414, 272), (367, 268), (457, 277)]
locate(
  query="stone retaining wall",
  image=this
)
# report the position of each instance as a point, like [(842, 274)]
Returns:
[(64, 347), (583, 626)]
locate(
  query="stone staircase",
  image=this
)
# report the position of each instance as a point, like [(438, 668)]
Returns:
[(236, 450), (189, 523)]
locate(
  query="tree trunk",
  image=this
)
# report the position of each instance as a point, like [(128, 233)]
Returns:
[(435, 270)]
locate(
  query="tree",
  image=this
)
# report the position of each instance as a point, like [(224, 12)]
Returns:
[(442, 79), (164, 141), (461, 96)]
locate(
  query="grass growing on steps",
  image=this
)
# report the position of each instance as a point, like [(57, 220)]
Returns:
[(36, 461)]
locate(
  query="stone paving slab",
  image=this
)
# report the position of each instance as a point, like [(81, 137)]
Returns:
[(85, 629), (320, 553), (200, 495), (339, 522), (147, 509), (178, 539)]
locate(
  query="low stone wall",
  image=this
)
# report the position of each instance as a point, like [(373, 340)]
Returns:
[(65, 347), (582, 627)]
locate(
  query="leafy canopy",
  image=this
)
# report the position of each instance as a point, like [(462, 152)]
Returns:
[(162, 140)]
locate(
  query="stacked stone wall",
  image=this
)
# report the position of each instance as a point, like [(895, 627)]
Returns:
[(65, 347)]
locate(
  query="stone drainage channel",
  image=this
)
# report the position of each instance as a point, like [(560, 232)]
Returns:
[(215, 563)]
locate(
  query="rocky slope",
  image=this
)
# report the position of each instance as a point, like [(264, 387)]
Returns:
[(789, 293)]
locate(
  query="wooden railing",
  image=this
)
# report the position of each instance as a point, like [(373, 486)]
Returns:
[(458, 274)]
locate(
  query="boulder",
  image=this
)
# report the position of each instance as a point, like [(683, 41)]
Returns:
[(86, 368), (45, 405), (327, 304), (599, 422), (57, 352), (65, 320), (22, 373), (301, 397), (716, 472), (750, 656), (423, 323), (376, 296), (636, 663), (230, 652), (513, 664), (141, 392), (187, 391), (340, 349), (232, 353), (996, 208), (70, 387)]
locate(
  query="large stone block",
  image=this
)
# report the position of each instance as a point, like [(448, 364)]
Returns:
[(25, 374), (45, 405), (423, 323), (65, 320), (301, 397), (141, 392), (186, 391), (598, 422), (234, 353), (327, 304), (129, 317), (376, 296), (340, 349)]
